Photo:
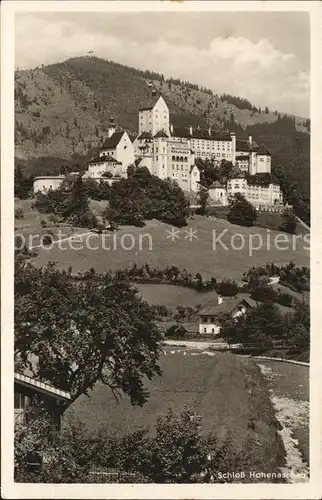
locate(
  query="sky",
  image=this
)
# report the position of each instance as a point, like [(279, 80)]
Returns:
[(264, 57)]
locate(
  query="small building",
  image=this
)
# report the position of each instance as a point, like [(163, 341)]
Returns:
[(28, 390), (218, 193), (46, 183), (178, 331), (104, 164), (119, 146), (209, 321)]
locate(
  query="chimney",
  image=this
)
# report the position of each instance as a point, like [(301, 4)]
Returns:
[(233, 147), (111, 127), (220, 299), (250, 140), (171, 128), (190, 129)]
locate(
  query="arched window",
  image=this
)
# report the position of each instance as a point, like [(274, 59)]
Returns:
[(173, 158), (181, 158)]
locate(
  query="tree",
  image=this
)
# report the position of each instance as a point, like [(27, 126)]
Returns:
[(289, 222), (22, 183), (143, 196), (70, 202), (264, 293), (227, 287), (241, 212), (176, 452), (202, 200), (82, 331), (262, 324)]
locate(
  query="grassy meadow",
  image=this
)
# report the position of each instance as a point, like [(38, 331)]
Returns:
[(229, 392), (151, 244)]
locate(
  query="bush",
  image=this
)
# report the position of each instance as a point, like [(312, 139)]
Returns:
[(264, 294), (289, 222), (69, 203), (47, 239), (227, 287), (241, 211), (19, 213), (43, 223), (284, 299)]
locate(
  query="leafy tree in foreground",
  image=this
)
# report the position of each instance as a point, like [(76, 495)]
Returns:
[(176, 452), (82, 331), (241, 211)]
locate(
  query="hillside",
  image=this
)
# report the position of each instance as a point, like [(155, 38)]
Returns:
[(62, 112)]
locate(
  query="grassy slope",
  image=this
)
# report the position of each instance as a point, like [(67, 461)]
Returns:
[(226, 390), (199, 255)]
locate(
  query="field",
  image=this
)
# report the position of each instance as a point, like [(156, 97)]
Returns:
[(230, 255), (170, 295), (229, 392)]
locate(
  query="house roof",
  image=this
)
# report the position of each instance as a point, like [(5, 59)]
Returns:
[(242, 157), (243, 145), (216, 184), (104, 159), (112, 142), (263, 150), (49, 177), (192, 167), (161, 133), (132, 137), (198, 133), (262, 179), (145, 135), (42, 387), (228, 305), (149, 103)]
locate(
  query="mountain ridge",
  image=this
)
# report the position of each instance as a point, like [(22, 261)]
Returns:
[(62, 113), (64, 108)]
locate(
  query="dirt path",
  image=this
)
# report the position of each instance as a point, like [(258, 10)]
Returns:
[(69, 238)]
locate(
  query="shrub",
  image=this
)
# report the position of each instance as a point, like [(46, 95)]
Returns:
[(47, 239), (264, 294), (284, 299), (19, 213), (227, 287), (241, 211), (289, 222), (43, 223)]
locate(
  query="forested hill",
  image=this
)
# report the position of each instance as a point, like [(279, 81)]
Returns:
[(62, 113)]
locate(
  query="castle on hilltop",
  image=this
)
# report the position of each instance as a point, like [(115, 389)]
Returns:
[(170, 153)]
